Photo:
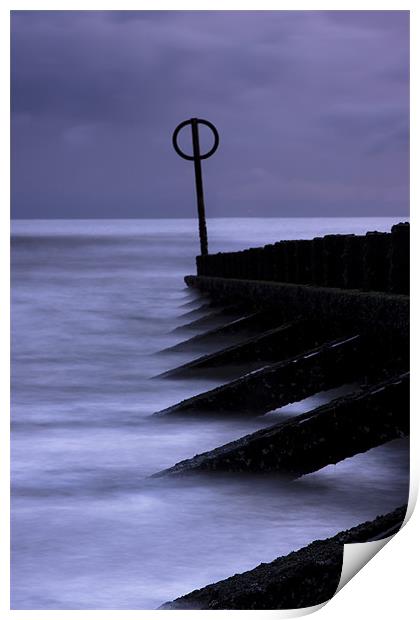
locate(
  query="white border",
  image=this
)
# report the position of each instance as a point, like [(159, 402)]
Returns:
[(388, 585)]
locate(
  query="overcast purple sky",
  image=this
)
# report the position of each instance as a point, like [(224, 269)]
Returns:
[(312, 110)]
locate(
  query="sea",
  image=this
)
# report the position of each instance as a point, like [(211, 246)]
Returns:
[(95, 304)]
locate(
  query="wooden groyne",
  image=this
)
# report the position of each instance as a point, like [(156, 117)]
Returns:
[(311, 315), (293, 340), (303, 578), (373, 262), (367, 310), (324, 436), (281, 383)]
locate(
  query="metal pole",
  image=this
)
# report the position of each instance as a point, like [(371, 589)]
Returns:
[(197, 157), (202, 228)]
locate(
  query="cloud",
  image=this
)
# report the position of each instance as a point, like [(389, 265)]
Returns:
[(306, 97)]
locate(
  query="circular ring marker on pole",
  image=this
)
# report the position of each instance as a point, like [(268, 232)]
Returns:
[(189, 122)]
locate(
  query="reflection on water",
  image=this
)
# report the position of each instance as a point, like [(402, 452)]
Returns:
[(93, 304)]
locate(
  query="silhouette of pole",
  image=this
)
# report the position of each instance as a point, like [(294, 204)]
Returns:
[(197, 157), (202, 227)]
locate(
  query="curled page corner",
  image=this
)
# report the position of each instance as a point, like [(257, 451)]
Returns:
[(306, 611), (299, 612), (412, 500), (356, 556)]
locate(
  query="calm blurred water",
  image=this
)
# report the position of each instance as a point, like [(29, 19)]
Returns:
[(93, 303)]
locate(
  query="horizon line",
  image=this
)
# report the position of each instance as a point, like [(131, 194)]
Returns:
[(222, 217)]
